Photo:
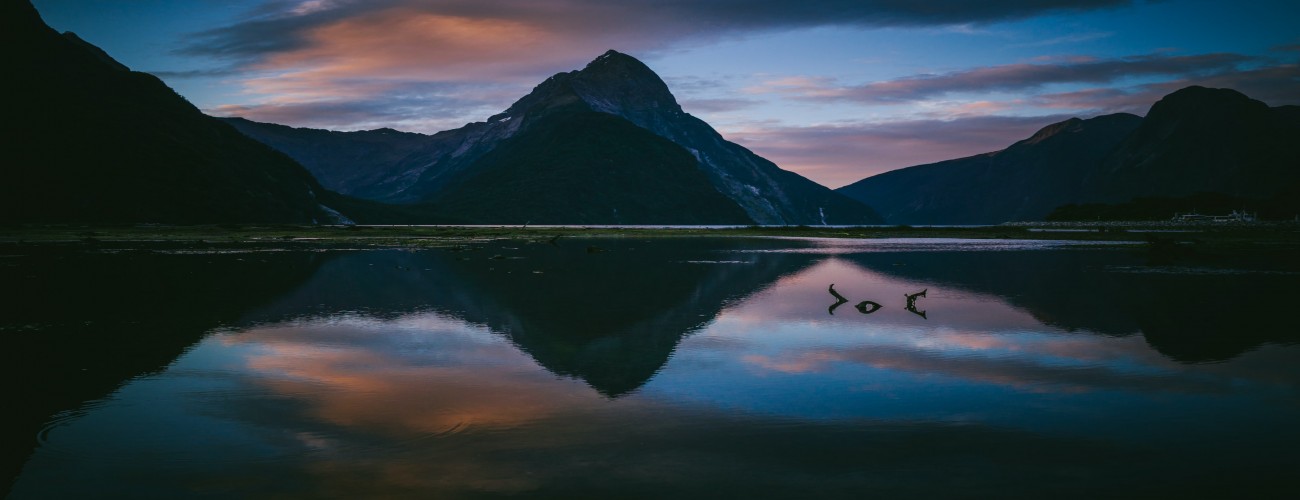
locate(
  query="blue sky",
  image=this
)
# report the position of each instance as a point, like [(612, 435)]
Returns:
[(836, 90)]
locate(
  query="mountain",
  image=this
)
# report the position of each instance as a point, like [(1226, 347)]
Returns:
[(1022, 182), (1203, 140), (574, 166), (343, 161), (616, 85), (1195, 140), (583, 167), (86, 140)]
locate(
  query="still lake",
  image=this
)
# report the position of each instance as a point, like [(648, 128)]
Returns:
[(651, 368)]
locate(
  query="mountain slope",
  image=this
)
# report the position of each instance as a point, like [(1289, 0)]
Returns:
[(613, 84), (86, 140), (344, 162), (89, 140), (620, 85), (1195, 140), (1022, 182), (583, 167)]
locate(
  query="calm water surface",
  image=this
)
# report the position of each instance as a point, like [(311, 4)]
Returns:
[(663, 368)]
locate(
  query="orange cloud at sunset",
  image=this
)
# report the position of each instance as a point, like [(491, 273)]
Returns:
[(403, 44)]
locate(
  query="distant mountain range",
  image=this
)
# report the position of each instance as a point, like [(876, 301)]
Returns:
[(627, 154), (1193, 141), (87, 140)]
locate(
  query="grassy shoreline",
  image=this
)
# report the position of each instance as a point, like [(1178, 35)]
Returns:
[(1285, 234)]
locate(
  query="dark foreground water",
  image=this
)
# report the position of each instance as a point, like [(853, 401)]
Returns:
[(665, 368)]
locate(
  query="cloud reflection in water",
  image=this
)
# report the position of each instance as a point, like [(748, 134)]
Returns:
[(768, 397)]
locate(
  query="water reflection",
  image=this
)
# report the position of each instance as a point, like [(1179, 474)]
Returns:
[(77, 325), (681, 368), (610, 318), (1192, 315)]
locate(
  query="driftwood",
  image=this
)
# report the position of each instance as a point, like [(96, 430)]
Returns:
[(839, 300), (867, 307), (911, 302)]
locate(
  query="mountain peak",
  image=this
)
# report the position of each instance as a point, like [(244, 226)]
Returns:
[(613, 83), (613, 59), (1199, 92), (617, 83), (1202, 100)]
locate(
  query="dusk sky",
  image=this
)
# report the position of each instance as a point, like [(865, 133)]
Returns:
[(834, 90)]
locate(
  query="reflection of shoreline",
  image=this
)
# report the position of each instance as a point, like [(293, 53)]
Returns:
[(453, 410), (1189, 318), (611, 318), (109, 318), (414, 374), (978, 339)]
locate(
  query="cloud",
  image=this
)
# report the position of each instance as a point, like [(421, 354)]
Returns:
[(196, 73), (721, 105), (284, 26), (1067, 39), (1009, 77), (322, 44), (839, 154), (1275, 85), (412, 106)]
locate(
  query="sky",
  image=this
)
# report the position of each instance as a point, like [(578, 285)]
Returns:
[(835, 90)]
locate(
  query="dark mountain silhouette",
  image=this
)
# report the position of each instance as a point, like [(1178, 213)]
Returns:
[(1023, 182), (573, 166), (1193, 141), (1203, 140), (346, 162), (87, 140), (613, 84), (584, 167)]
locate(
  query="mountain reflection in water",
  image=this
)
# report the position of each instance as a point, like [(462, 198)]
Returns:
[(693, 367)]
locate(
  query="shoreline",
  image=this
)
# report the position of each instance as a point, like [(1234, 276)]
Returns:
[(299, 236)]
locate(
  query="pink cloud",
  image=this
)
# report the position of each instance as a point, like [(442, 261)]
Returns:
[(1008, 77), (1275, 85), (341, 53)]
